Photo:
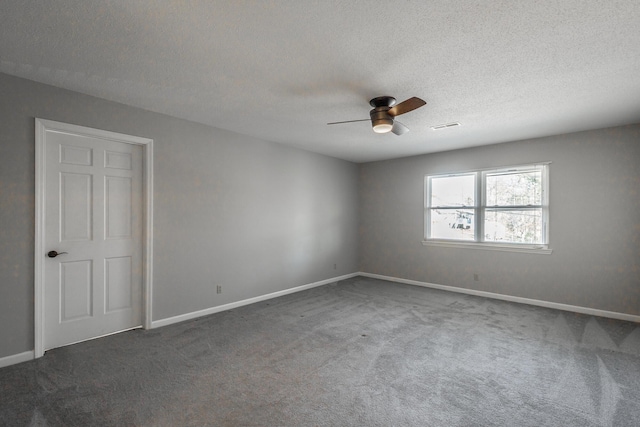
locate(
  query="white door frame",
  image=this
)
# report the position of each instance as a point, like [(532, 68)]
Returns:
[(42, 126)]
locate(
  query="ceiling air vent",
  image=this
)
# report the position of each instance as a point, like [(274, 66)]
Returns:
[(445, 126)]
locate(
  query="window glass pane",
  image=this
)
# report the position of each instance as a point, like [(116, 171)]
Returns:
[(453, 190), (514, 188), (518, 226), (455, 224)]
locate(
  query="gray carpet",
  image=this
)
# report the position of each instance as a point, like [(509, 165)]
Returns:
[(361, 352)]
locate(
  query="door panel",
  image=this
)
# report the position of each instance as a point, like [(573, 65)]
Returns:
[(118, 208), (71, 155), (116, 160), (118, 283), (76, 205), (76, 286)]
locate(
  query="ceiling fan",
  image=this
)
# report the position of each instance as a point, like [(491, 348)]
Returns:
[(385, 110)]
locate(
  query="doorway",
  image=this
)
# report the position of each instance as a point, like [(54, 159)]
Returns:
[(93, 251)]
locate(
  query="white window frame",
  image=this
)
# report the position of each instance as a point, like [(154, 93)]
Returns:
[(480, 208)]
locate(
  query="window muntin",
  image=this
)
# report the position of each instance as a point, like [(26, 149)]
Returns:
[(504, 206)]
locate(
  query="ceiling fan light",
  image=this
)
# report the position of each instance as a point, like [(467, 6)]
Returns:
[(382, 125)]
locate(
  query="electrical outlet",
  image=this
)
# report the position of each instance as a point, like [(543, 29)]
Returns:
[(219, 289), (475, 277)]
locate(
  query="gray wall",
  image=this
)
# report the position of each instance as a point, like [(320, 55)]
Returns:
[(258, 217), (253, 216), (594, 222)]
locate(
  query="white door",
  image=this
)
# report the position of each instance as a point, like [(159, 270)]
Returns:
[(93, 220)]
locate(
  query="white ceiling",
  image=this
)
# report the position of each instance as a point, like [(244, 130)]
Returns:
[(280, 70)]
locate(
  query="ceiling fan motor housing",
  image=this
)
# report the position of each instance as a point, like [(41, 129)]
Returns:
[(381, 120), (380, 116)]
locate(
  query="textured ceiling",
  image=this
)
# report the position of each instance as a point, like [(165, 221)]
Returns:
[(280, 70)]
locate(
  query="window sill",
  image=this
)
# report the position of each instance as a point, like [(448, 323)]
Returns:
[(531, 249)]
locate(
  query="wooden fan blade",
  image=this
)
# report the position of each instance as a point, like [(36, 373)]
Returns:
[(398, 128), (406, 106), (349, 121)]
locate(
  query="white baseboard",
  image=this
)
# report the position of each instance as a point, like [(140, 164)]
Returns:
[(30, 355), (16, 358), (539, 303), (225, 307)]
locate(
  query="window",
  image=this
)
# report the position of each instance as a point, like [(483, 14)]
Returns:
[(499, 207)]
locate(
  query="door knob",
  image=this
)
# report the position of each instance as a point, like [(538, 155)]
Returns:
[(53, 254)]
